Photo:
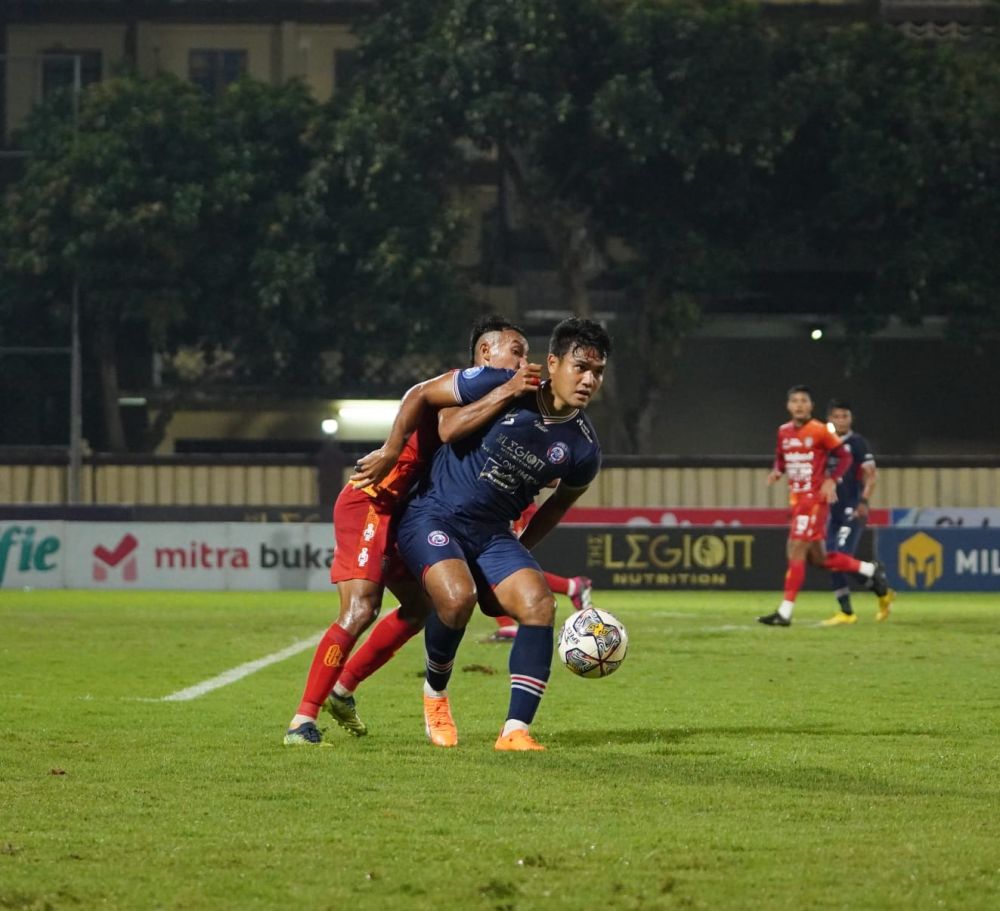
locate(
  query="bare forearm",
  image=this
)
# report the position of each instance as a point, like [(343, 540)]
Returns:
[(870, 477), (548, 516)]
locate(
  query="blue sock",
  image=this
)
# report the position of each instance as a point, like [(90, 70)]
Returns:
[(841, 591), (530, 665), (441, 643)]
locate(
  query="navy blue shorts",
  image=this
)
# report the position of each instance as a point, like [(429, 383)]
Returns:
[(844, 531), (425, 536)]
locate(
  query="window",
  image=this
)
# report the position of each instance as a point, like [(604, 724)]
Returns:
[(58, 65), (213, 70)]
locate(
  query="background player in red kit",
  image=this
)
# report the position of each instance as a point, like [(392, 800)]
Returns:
[(363, 522), (803, 450)]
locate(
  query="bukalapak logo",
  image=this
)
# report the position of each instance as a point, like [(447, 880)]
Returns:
[(305, 557)]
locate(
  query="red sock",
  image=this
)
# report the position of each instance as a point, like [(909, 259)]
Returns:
[(842, 563), (558, 584), (506, 621), (795, 575), (390, 634), (327, 663)]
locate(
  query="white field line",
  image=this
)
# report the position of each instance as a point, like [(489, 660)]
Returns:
[(242, 670)]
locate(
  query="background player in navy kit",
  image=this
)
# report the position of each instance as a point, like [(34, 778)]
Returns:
[(849, 514), (455, 535)]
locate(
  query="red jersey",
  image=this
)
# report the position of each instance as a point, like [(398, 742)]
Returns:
[(802, 454), (412, 461)]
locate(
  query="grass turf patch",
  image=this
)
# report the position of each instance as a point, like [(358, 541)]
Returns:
[(726, 765)]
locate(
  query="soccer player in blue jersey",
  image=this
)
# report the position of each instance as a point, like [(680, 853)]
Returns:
[(456, 536), (849, 514)]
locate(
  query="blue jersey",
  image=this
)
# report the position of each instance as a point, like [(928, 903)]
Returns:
[(851, 484), (490, 478)]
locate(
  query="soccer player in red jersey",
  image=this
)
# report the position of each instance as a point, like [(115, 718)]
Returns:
[(364, 516), (803, 451), (487, 347)]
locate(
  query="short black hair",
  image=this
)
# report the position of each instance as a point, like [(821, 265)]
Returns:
[(574, 332), (838, 403), (800, 387), (492, 323)]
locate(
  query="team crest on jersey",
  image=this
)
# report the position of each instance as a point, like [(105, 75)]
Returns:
[(470, 372), (438, 539), (557, 453)]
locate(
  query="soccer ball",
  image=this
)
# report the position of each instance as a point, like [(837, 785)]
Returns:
[(592, 643)]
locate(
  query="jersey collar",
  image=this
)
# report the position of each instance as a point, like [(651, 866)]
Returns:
[(547, 416)]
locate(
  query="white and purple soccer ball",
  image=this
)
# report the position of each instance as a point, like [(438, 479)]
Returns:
[(592, 643)]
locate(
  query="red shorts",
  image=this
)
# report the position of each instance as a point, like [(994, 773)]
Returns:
[(364, 538), (809, 517)]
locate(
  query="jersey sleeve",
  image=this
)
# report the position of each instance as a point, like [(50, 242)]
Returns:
[(863, 454), (585, 470), (473, 383), (779, 456)]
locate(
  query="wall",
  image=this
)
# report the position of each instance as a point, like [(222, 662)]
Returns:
[(186, 481)]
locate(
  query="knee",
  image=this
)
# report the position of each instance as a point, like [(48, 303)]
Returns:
[(540, 610), (358, 611), (454, 608)]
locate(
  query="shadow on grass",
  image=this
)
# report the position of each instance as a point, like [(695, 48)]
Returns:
[(720, 763), (593, 737)]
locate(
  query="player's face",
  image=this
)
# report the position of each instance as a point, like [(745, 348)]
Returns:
[(800, 407), (576, 377), (509, 353), (841, 419)]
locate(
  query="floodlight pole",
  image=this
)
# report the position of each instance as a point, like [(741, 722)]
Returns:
[(75, 368)]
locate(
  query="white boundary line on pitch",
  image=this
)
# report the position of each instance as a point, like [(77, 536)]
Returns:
[(242, 670)]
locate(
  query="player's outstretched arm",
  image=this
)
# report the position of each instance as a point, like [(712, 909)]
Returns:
[(433, 393), (455, 423), (550, 513)]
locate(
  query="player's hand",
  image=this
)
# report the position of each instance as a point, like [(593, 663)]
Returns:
[(372, 468), (527, 379), (828, 490), (861, 511), (773, 477)]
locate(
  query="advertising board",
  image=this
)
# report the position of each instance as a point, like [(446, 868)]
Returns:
[(629, 558), (167, 555), (942, 559)]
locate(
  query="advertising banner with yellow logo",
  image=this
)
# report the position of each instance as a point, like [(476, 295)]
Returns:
[(941, 559), (651, 558)]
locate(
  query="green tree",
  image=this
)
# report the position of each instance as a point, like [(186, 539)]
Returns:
[(700, 104), (112, 203), (893, 177)]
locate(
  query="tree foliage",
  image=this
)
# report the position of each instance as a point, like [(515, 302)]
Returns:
[(670, 151)]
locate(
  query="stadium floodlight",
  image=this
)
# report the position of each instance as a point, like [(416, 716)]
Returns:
[(330, 426), (364, 419), (816, 333)]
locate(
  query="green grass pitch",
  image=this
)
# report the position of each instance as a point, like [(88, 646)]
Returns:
[(726, 765)]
